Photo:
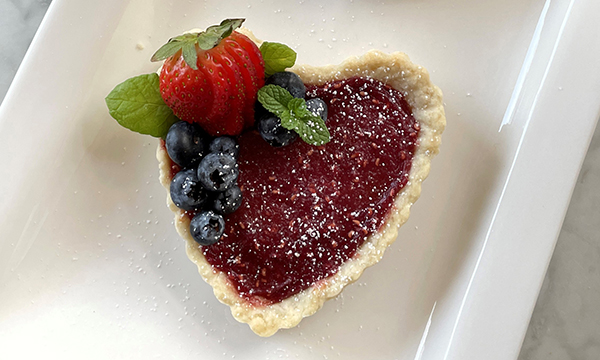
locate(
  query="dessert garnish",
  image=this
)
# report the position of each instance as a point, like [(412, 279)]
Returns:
[(286, 181)]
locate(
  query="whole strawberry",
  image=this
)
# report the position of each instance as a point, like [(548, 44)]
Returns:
[(212, 77)]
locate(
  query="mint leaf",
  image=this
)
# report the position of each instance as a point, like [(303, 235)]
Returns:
[(296, 104), (313, 130), (137, 105), (275, 99), (277, 57), (294, 114), (288, 120)]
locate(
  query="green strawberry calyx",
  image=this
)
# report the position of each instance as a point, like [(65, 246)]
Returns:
[(205, 40)]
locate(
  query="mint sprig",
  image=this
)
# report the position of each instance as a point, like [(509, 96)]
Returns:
[(205, 40), (137, 105), (277, 57), (294, 114)]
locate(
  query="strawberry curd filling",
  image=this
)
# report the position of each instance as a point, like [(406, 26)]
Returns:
[(307, 209)]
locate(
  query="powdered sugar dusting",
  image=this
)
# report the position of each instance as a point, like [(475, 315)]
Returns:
[(308, 209)]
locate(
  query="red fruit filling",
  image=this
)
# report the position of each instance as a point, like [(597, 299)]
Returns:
[(307, 209)]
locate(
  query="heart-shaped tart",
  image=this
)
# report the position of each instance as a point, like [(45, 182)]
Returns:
[(313, 218), (277, 225)]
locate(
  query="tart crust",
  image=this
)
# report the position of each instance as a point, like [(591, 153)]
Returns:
[(425, 100)]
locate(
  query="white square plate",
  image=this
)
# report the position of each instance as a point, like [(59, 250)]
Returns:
[(91, 266)]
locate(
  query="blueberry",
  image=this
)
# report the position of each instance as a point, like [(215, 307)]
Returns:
[(318, 107), (207, 228), (225, 145), (260, 111), (276, 135), (186, 144), (218, 172), (228, 201), (186, 191), (289, 81)]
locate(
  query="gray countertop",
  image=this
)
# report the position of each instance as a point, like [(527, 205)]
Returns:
[(566, 320)]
